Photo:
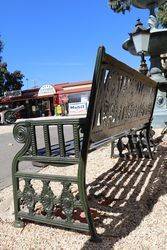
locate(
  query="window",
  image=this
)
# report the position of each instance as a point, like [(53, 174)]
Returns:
[(79, 97)]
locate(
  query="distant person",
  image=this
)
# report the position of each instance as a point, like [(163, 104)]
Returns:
[(33, 110), (2, 116)]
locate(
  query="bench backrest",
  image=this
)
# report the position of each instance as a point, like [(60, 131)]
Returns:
[(121, 98)]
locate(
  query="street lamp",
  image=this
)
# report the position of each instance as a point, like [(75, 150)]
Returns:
[(141, 37)]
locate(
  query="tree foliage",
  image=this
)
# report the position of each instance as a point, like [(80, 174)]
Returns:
[(162, 14), (120, 5), (123, 5), (1, 48), (9, 81)]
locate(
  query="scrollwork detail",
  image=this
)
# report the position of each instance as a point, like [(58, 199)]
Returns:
[(29, 196), (47, 198), (20, 133), (67, 201)]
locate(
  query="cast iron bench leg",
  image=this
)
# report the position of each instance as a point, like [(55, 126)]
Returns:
[(130, 146), (82, 193), (148, 142), (112, 148), (84, 201), (120, 148), (17, 223), (164, 131)]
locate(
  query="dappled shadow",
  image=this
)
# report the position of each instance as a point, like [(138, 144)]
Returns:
[(125, 194)]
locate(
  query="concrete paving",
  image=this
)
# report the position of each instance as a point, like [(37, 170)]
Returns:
[(9, 147)]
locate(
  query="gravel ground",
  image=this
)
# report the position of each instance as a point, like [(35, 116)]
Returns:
[(129, 207)]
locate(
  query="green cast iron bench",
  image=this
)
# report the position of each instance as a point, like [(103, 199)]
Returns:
[(121, 105)]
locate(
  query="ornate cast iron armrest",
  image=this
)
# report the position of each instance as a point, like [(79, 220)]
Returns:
[(25, 132)]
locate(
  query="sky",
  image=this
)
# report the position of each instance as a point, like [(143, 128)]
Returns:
[(56, 41)]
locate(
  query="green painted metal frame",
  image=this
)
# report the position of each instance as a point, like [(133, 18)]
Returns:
[(94, 135)]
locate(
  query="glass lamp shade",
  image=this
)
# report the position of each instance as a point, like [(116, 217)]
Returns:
[(141, 42)]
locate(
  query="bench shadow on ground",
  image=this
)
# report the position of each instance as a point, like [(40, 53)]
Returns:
[(121, 197)]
